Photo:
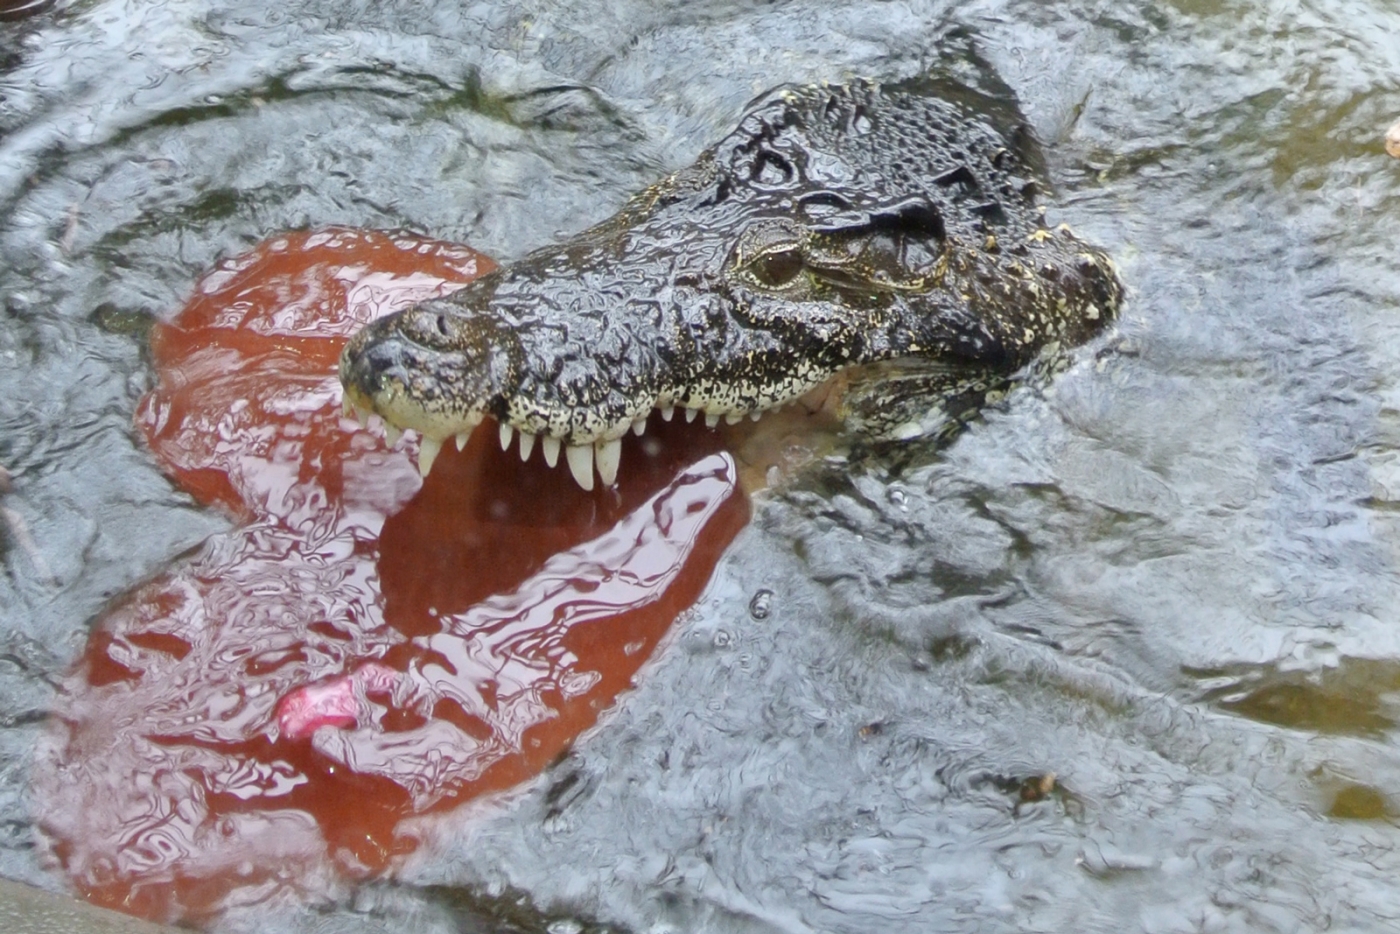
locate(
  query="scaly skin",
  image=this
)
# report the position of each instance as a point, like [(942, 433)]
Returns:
[(836, 226)]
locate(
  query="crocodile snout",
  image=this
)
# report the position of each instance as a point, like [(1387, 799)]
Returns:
[(429, 368), (372, 362)]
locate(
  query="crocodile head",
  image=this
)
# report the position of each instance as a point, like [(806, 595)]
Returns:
[(836, 226)]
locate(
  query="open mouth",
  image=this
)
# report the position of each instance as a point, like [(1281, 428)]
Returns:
[(588, 462)]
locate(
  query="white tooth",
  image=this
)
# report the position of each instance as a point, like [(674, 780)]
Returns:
[(639, 427), (690, 414), (392, 434), (756, 414), (428, 450), (667, 412), (732, 418), (527, 444), (462, 437), (347, 408), (580, 457), (507, 432), (609, 456), (362, 416), (711, 420), (550, 446)]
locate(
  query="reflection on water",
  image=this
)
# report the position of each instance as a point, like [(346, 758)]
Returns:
[(18, 9), (1354, 696), (362, 650)]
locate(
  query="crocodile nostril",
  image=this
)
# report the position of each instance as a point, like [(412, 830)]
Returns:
[(441, 322), (369, 364)]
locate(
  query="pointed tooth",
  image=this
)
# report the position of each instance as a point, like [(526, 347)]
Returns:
[(666, 412), (527, 444), (690, 414), (711, 420), (732, 418), (428, 450), (347, 408), (639, 427), (580, 457), (362, 416), (507, 432), (756, 414), (392, 434), (461, 438), (609, 455), (550, 445)]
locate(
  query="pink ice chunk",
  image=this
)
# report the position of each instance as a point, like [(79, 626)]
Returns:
[(334, 703)]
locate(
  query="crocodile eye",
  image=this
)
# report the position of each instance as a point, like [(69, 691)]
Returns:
[(778, 268)]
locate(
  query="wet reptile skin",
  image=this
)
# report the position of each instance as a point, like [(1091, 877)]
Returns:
[(836, 225)]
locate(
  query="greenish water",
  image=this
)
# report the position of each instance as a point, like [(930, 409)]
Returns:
[(1170, 578)]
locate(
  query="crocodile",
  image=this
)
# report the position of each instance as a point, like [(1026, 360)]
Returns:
[(837, 226)]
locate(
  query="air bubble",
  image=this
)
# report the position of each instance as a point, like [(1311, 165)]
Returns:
[(761, 604)]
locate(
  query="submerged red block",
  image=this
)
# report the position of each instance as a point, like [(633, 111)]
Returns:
[(367, 646)]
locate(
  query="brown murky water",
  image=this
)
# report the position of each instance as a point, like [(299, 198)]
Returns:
[(1169, 577), (363, 647)]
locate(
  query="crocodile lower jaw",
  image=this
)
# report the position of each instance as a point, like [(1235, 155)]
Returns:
[(604, 454)]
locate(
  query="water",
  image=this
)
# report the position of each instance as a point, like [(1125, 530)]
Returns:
[(1169, 578)]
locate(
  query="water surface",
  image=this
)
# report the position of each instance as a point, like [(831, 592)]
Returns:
[(1169, 577)]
